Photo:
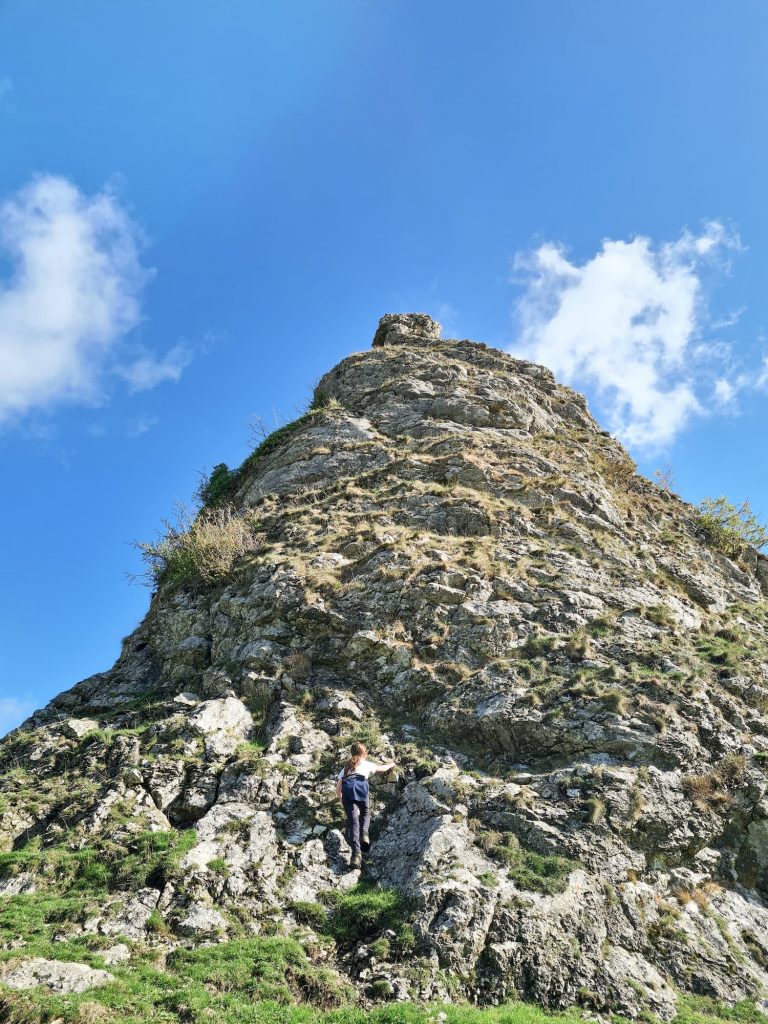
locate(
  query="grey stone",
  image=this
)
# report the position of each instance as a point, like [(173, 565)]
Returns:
[(57, 975)]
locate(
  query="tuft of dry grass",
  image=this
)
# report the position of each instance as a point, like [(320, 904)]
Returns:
[(204, 548), (704, 791)]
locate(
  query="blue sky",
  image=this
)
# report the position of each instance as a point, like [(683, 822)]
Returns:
[(205, 206)]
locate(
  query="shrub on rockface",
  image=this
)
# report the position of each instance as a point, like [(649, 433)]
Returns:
[(203, 549), (216, 485), (730, 528)]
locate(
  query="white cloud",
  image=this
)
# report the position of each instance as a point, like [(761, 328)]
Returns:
[(761, 381), (71, 297), (627, 323), (147, 371), (725, 390), (13, 712)]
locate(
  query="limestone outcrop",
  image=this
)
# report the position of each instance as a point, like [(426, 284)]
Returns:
[(450, 559)]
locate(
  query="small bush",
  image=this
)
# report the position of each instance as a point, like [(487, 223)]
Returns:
[(381, 989), (578, 646), (218, 866), (156, 923), (297, 666), (730, 528), (538, 646), (660, 615), (262, 968), (204, 549), (381, 948), (216, 486), (615, 701)]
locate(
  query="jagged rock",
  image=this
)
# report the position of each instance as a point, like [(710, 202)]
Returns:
[(116, 954), (451, 560), (223, 723), (76, 728), (130, 920), (406, 328), (202, 921), (55, 975)]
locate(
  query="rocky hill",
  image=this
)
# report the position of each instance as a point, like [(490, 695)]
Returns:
[(448, 558)]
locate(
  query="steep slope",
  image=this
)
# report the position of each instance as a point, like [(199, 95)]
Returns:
[(448, 558)]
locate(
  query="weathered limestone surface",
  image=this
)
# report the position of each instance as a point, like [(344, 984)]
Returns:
[(453, 560), (58, 976)]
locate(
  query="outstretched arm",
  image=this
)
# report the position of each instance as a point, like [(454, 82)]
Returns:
[(386, 767)]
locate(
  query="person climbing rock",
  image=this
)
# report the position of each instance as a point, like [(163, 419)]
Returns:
[(352, 790)]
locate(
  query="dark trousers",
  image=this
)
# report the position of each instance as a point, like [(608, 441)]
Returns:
[(358, 821)]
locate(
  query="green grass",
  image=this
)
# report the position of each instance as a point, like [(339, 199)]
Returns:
[(105, 866), (722, 651), (537, 872), (363, 912), (221, 988)]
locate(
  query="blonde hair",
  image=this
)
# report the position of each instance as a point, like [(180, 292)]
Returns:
[(358, 752)]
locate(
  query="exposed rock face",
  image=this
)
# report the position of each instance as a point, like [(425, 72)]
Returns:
[(55, 975), (453, 560)]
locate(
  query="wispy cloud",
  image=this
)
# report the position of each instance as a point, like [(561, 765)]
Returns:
[(628, 323), (72, 296), (13, 712), (447, 315), (147, 370), (140, 425)]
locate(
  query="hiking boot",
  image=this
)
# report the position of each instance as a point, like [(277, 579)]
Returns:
[(356, 861), (365, 842)]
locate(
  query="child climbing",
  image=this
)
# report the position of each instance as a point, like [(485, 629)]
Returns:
[(352, 790)]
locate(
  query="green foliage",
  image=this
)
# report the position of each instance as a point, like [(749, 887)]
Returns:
[(538, 646), (595, 810), (361, 913), (307, 912), (36, 917), (381, 948), (730, 528), (217, 486), (147, 857), (537, 872), (156, 923), (218, 866), (223, 984), (277, 437), (264, 968), (721, 651), (200, 550), (660, 615), (705, 1010)]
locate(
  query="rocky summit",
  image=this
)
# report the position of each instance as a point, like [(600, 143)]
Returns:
[(447, 558)]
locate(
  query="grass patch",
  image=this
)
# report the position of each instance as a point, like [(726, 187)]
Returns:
[(365, 911), (201, 549), (223, 984), (149, 857), (537, 872)]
